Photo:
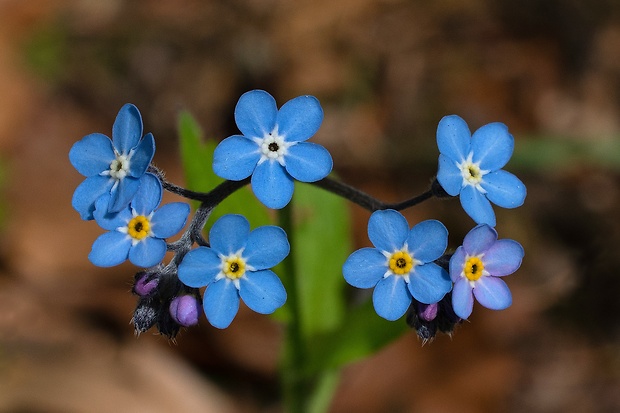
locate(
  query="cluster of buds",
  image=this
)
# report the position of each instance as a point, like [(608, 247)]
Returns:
[(164, 303)]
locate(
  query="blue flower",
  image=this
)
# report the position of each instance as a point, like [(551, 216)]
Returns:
[(112, 166), (236, 266), (401, 264), (471, 166), (272, 147), (137, 232), (476, 266)]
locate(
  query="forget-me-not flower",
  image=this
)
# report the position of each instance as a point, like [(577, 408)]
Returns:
[(471, 166), (237, 266), (272, 147), (401, 264), (476, 266), (137, 232), (113, 167)]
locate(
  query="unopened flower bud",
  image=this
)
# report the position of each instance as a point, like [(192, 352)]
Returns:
[(145, 316), (427, 319), (185, 310), (167, 326), (145, 283), (428, 312)]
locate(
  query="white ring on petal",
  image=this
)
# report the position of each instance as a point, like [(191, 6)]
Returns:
[(471, 173), (266, 147)]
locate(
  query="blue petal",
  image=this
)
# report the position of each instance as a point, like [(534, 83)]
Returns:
[(266, 247), (453, 138), (308, 162), (449, 175), (462, 298), (169, 219), (262, 291), (199, 267), (235, 158), (479, 239), (272, 185), (364, 268), (477, 206), (110, 249), (503, 258), (428, 283), (388, 230), (148, 252), (221, 303), (457, 261), (428, 240), (142, 156), (255, 113), (110, 220), (123, 194), (148, 196), (391, 298), (92, 154), (493, 293), (492, 146), (299, 119), (88, 192), (127, 129), (504, 189), (229, 234)]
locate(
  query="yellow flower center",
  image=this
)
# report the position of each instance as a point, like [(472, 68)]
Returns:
[(139, 227), (473, 268), (401, 263), (233, 267)]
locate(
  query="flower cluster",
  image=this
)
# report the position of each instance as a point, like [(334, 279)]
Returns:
[(408, 268)]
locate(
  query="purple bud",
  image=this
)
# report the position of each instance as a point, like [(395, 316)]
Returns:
[(427, 312), (185, 310), (145, 283)]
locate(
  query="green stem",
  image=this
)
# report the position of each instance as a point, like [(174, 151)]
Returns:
[(293, 380)]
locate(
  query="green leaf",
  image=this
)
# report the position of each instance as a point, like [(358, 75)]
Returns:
[(197, 159), (321, 242), (361, 334), (333, 335), (552, 153)]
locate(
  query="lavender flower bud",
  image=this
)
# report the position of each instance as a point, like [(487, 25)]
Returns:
[(428, 312), (185, 310), (145, 283)]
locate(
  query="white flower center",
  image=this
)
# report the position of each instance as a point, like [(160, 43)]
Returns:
[(471, 173), (273, 147), (119, 167)]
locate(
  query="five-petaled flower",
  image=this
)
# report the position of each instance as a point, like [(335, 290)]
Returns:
[(471, 166), (401, 264), (272, 147), (237, 266), (476, 266), (137, 232), (112, 167)]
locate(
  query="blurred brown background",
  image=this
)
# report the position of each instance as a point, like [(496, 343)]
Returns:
[(385, 71)]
